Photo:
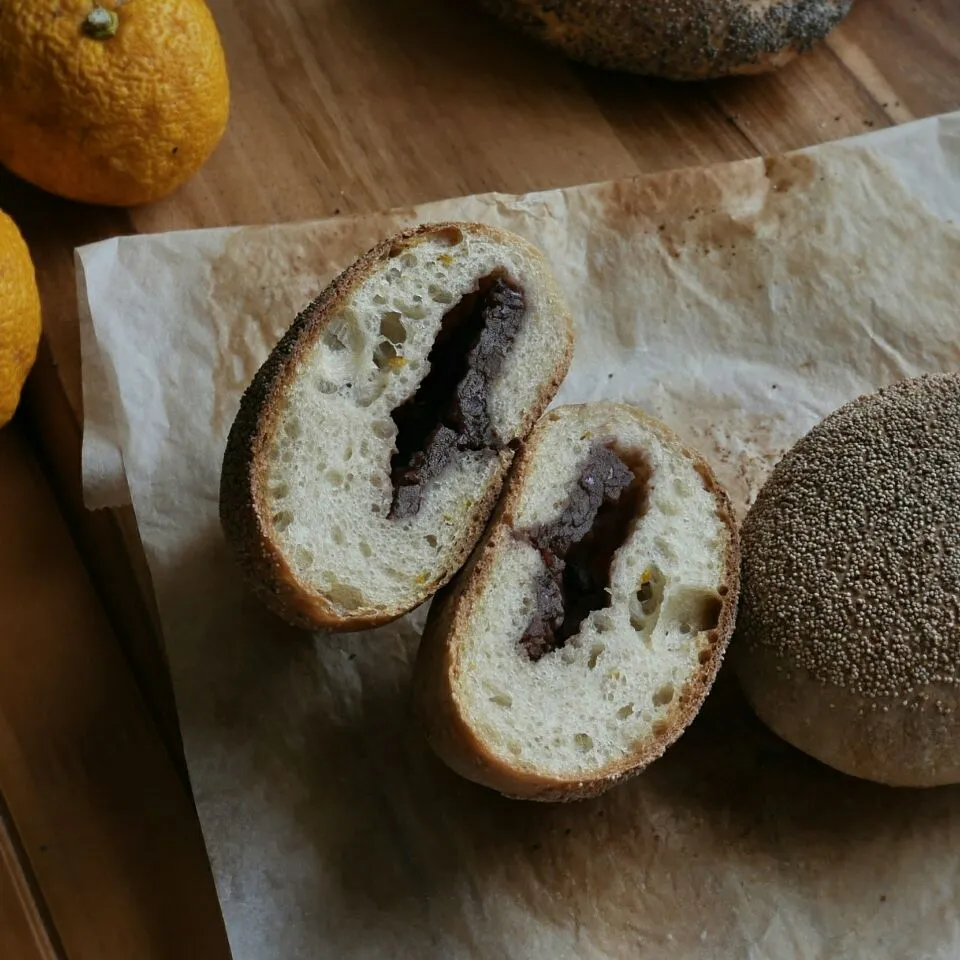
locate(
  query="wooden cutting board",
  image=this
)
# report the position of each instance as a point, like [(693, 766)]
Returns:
[(100, 850), (339, 107)]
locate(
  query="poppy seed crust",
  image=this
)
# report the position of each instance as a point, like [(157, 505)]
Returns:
[(678, 39), (851, 553)]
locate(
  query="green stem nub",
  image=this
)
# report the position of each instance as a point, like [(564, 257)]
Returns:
[(101, 24)]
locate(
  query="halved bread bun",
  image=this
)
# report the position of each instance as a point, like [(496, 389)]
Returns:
[(589, 624), (680, 40), (371, 446)]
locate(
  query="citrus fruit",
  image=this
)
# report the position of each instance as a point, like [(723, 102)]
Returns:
[(117, 102), (19, 316)]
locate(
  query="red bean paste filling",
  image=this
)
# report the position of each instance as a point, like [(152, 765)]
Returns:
[(578, 547), (448, 413)]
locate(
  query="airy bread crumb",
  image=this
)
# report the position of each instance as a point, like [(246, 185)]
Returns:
[(306, 494), (615, 694)]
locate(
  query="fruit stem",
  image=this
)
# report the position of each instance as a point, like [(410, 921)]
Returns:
[(101, 24)]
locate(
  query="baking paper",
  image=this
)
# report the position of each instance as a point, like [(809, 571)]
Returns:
[(740, 303)]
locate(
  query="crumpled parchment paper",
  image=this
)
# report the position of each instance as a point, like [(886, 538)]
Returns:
[(740, 303)]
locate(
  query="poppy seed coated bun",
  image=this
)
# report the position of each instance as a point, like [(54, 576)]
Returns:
[(677, 39), (848, 641)]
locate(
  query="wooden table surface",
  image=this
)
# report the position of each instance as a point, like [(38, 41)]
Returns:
[(339, 107)]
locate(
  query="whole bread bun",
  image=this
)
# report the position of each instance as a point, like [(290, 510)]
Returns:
[(677, 39), (371, 446), (588, 626), (848, 642)]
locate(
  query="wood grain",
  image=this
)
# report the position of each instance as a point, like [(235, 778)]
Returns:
[(25, 928), (109, 545), (100, 851), (339, 107)]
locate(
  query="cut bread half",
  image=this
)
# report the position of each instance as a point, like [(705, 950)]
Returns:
[(371, 446), (589, 624)]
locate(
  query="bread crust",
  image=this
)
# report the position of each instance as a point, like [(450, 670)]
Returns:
[(244, 512), (845, 705), (872, 739), (680, 39), (437, 672)]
